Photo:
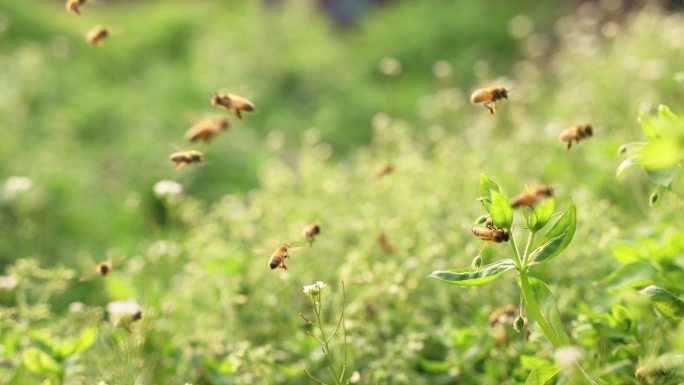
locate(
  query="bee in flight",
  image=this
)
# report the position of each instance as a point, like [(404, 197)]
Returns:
[(576, 133), (97, 35), (182, 158), (207, 128), (489, 96), (531, 197), (74, 6), (310, 232), (232, 102), (127, 320), (384, 170), (102, 269), (279, 255), (385, 242), (490, 232)]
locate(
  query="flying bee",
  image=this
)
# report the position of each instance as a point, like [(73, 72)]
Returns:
[(531, 197), (74, 6), (102, 269), (489, 96), (576, 133), (97, 35), (385, 242), (207, 128), (279, 255), (182, 158), (490, 233), (310, 232), (127, 320), (232, 102), (384, 170)]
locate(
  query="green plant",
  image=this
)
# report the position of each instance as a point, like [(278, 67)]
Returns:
[(536, 297), (660, 154), (338, 372)]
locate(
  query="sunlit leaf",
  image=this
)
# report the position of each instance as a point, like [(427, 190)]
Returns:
[(556, 239), (624, 166), (542, 375), (470, 277), (486, 186), (666, 303), (39, 362), (500, 210), (635, 274), (547, 306), (542, 214)]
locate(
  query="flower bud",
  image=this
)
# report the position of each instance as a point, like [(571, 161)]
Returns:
[(519, 324)]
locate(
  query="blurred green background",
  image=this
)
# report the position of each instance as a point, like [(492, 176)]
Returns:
[(93, 126), (341, 88)]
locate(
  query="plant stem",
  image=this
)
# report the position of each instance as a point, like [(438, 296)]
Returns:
[(324, 339), (528, 249), (514, 248)]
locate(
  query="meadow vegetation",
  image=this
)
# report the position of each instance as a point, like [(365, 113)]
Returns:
[(91, 129)]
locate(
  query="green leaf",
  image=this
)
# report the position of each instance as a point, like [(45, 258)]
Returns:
[(547, 306), (556, 239), (79, 344), (500, 210), (542, 375), (470, 277), (648, 125), (666, 303), (624, 166), (635, 274), (541, 214), (39, 362), (664, 178), (487, 185)]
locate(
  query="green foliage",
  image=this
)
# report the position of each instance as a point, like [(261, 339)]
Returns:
[(92, 130), (475, 277), (668, 305)]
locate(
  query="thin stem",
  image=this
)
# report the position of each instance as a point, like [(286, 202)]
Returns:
[(514, 248), (325, 347), (344, 333), (528, 248), (314, 378)]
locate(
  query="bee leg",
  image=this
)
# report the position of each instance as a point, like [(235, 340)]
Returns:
[(491, 107), (569, 143), (238, 113)]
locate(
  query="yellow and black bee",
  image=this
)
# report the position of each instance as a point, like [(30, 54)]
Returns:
[(489, 96)]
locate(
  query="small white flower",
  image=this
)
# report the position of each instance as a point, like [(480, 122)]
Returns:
[(101, 383), (355, 377), (567, 357), (76, 307), (165, 188), (315, 288), (8, 282), (118, 309), (16, 185)]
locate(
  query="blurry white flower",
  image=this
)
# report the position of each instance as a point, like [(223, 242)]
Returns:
[(118, 309), (567, 357), (76, 307), (16, 185), (315, 287), (8, 282), (390, 66), (165, 188), (101, 383), (355, 377)]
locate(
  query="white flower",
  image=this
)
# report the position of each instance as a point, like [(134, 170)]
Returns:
[(101, 383), (16, 185), (567, 357), (8, 282), (355, 377), (76, 307), (118, 309), (315, 287), (165, 188)]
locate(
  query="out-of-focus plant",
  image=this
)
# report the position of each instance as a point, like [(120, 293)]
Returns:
[(661, 154), (536, 297), (337, 370)]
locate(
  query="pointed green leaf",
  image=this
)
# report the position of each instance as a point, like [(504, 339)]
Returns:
[(648, 125), (39, 362), (542, 375), (635, 274), (79, 344), (556, 239), (471, 277), (547, 306), (666, 303), (487, 185), (541, 214), (624, 166), (500, 210)]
